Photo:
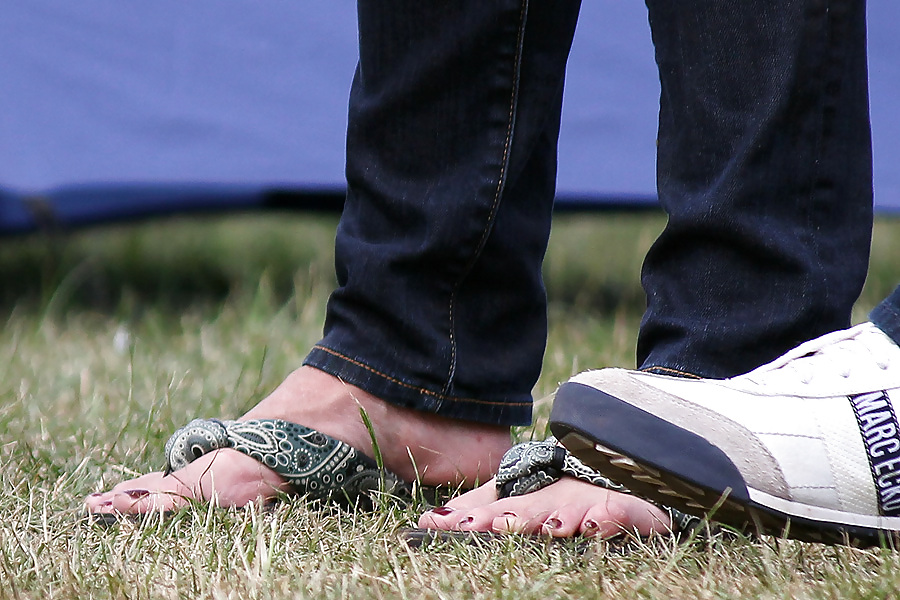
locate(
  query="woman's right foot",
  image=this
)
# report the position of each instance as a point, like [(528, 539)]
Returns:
[(567, 508), (434, 449)]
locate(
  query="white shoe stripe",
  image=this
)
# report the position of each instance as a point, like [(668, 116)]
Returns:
[(824, 515)]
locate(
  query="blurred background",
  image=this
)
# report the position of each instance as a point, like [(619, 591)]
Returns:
[(120, 109)]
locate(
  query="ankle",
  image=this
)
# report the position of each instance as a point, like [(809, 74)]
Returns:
[(413, 444)]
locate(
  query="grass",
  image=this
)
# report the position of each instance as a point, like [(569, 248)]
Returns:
[(114, 337)]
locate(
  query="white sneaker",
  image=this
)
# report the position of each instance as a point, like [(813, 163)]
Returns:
[(806, 446)]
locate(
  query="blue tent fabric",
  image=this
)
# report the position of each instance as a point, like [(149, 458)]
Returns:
[(122, 109)]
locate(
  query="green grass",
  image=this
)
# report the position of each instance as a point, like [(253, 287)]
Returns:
[(114, 337)]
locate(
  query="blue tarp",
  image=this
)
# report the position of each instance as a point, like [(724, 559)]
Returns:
[(119, 109)]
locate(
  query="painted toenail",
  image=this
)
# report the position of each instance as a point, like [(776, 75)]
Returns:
[(96, 494), (590, 525), (107, 503), (467, 521), (442, 510), (136, 493), (553, 523), (509, 514)]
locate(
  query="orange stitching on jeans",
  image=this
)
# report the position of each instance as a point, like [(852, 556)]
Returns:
[(670, 371), (413, 387)]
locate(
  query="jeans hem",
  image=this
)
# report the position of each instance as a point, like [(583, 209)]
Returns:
[(507, 410), (886, 316)]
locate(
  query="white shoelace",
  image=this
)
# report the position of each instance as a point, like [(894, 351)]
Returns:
[(839, 353)]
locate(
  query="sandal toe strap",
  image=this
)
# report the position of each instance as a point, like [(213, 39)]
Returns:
[(192, 441), (530, 466), (313, 463)]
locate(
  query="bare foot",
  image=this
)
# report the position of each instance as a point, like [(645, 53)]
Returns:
[(566, 508), (437, 449)]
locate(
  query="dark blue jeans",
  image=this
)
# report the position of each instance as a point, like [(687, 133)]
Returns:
[(764, 169), (887, 316)]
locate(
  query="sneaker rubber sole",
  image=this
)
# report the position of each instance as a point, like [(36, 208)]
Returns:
[(676, 467)]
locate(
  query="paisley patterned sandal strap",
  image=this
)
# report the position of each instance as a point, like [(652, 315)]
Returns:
[(314, 464)]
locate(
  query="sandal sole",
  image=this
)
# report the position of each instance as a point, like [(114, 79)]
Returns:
[(416, 537)]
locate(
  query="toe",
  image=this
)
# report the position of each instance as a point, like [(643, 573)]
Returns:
[(143, 501), (225, 477), (477, 519), (480, 496), (98, 500), (621, 514), (440, 517), (448, 517), (564, 522), (105, 501), (520, 517)]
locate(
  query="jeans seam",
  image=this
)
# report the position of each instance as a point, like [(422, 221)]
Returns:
[(501, 184), (822, 144), (421, 390)]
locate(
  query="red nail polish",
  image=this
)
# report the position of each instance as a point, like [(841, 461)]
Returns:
[(466, 521), (442, 510), (553, 523), (107, 503), (96, 494), (136, 493), (590, 525), (509, 514)]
